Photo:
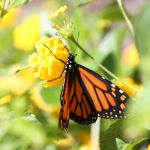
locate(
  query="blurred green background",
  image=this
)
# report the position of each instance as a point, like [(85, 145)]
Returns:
[(29, 113)]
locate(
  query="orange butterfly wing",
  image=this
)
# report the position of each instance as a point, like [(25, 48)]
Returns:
[(74, 103), (64, 111), (109, 100), (87, 95), (81, 108)]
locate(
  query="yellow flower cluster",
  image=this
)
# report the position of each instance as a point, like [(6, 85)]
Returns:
[(44, 62), (130, 56), (38, 99), (17, 84), (39, 102), (148, 147), (103, 23), (61, 24), (9, 18), (65, 143), (27, 33), (58, 12), (5, 99), (130, 91)]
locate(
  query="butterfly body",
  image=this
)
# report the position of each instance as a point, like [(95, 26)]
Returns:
[(87, 95)]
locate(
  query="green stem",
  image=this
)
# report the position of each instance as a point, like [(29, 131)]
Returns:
[(78, 45), (3, 8), (19, 70), (100, 65), (2, 4), (126, 17)]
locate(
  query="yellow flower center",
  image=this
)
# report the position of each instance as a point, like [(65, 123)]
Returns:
[(45, 64)]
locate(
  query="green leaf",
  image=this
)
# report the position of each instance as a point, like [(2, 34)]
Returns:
[(51, 95), (142, 36), (121, 144), (134, 145), (112, 44), (139, 111), (112, 13), (108, 137), (3, 12), (17, 3), (142, 32), (84, 3)]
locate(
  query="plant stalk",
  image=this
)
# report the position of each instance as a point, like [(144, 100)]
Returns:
[(126, 17)]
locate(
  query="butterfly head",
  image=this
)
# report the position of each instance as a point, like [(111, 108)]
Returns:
[(71, 57)]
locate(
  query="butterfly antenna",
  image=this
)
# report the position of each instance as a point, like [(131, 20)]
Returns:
[(53, 54), (62, 42), (77, 41)]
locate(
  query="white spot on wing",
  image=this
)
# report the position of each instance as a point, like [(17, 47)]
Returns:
[(113, 85), (121, 91), (103, 78)]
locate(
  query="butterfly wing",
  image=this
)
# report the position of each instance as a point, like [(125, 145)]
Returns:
[(81, 109), (87, 95), (109, 100), (64, 98), (75, 103)]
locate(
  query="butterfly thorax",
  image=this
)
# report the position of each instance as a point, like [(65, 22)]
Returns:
[(70, 64)]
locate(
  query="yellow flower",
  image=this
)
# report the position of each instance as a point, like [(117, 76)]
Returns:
[(59, 19), (65, 142), (148, 147), (85, 140), (10, 18), (44, 63), (66, 31), (85, 147), (130, 56), (27, 33), (103, 23), (5, 99), (38, 100), (54, 111), (129, 81), (17, 84), (60, 11)]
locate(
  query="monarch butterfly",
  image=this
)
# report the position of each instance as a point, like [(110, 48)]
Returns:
[(86, 95)]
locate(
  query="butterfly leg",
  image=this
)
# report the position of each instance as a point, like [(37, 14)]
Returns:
[(54, 55), (57, 77)]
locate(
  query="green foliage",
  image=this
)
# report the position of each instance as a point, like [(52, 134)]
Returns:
[(142, 34), (17, 3), (5, 6), (112, 13), (32, 123), (15, 128), (113, 132), (51, 95), (141, 122), (120, 144)]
